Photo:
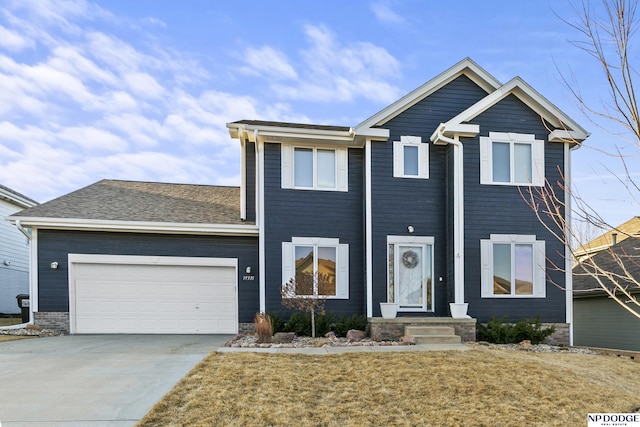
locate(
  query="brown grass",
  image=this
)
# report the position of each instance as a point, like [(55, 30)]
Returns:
[(14, 337), (479, 387)]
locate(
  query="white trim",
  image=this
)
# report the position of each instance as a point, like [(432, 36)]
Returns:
[(539, 264), (537, 158), (465, 67), (16, 199), (341, 167), (138, 226), (294, 135), (368, 228), (342, 262), (568, 259), (421, 241), (74, 259), (531, 98), (260, 220), (33, 274), (398, 157)]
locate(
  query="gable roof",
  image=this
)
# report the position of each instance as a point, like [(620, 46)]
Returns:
[(16, 198), (140, 206), (627, 229), (626, 253), (567, 130), (465, 67)]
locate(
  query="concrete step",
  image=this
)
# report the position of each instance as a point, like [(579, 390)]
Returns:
[(429, 330), (437, 339)]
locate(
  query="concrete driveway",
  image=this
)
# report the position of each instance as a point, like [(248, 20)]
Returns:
[(93, 380)]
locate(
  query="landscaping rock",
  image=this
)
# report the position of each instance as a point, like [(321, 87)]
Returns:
[(407, 340), (356, 335), (525, 344), (330, 335), (284, 337)]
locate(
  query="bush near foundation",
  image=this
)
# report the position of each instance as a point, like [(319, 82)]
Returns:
[(500, 331)]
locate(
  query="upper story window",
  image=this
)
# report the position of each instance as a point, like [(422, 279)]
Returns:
[(513, 266), (319, 266), (511, 159), (313, 168), (410, 158)]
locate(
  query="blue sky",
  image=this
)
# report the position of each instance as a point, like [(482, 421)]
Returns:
[(142, 90)]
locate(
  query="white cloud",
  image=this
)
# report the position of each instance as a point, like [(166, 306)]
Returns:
[(93, 139), (341, 73), (266, 60), (13, 41), (385, 15), (143, 84)]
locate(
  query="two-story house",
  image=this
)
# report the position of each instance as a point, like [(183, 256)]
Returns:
[(420, 205)]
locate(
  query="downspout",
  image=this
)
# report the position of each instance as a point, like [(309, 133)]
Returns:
[(458, 307), (22, 230), (260, 220), (567, 250)]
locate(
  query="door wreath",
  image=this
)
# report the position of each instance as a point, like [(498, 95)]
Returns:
[(410, 259)]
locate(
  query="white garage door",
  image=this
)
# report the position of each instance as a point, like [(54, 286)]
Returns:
[(152, 295)]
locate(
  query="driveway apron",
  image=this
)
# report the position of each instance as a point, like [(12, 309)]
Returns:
[(93, 380)]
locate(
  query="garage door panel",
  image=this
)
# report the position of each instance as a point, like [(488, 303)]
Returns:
[(144, 298)]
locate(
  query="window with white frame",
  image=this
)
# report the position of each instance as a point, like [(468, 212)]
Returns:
[(410, 158), (314, 168), (319, 267), (511, 159), (513, 266)]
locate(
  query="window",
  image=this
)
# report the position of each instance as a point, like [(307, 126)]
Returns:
[(410, 158), (320, 266), (513, 266), (511, 159), (312, 168)]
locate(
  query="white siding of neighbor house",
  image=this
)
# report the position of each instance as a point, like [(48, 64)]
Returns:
[(14, 248)]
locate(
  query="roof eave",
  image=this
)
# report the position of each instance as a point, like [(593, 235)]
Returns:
[(283, 134), (136, 226)]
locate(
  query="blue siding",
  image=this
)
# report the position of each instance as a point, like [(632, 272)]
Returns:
[(55, 245), (502, 210), (251, 181), (306, 213), (400, 202)]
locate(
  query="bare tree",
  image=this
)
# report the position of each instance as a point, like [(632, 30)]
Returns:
[(607, 35), (300, 293)]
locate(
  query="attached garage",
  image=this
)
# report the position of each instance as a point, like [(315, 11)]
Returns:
[(114, 294)]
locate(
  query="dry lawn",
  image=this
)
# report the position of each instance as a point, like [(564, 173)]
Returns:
[(8, 321), (480, 387)]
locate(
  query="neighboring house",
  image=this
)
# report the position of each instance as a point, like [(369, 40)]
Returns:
[(630, 228), (389, 210), (600, 321), (14, 252)]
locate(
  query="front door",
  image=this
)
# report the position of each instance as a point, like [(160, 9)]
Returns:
[(410, 283)]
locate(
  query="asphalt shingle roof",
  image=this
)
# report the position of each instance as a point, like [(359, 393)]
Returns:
[(628, 253), (114, 200)]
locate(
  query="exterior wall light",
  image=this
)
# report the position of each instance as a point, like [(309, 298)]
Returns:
[(410, 229), (54, 265), (248, 270)]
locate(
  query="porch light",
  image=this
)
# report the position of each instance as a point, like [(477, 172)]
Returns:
[(410, 229), (54, 265)]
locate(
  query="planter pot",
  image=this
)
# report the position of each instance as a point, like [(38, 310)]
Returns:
[(389, 310), (459, 311)]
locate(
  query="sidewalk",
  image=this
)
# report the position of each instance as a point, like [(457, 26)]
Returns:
[(348, 349)]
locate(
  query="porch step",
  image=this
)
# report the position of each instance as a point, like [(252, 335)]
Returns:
[(433, 334)]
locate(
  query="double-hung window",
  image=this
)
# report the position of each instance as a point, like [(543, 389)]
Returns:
[(511, 159), (513, 266), (410, 158), (314, 168), (319, 266)]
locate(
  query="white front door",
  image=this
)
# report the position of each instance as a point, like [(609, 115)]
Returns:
[(410, 283)]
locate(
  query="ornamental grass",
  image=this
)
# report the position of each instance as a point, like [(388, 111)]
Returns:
[(485, 386)]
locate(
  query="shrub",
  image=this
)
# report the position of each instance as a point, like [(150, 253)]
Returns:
[(499, 331), (300, 323), (278, 322), (344, 323)]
